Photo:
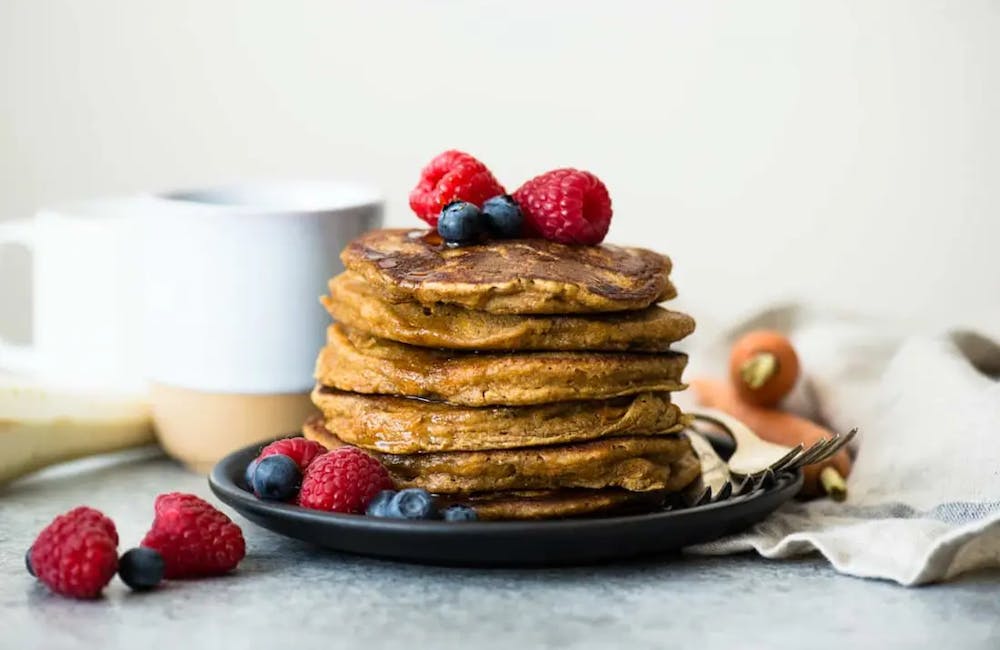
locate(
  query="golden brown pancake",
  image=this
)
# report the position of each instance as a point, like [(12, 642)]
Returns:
[(636, 463), (355, 303), (514, 276), (557, 504), (401, 425), (361, 363)]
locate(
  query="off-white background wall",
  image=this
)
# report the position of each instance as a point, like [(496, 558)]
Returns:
[(845, 152)]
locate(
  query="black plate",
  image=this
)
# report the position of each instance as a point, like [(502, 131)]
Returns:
[(501, 543)]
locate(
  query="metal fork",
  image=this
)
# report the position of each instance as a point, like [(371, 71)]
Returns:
[(756, 459), (715, 482)]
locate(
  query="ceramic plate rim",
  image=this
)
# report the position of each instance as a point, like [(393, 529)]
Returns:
[(230, 492)]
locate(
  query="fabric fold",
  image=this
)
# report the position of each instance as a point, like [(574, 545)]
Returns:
[(924, 495)]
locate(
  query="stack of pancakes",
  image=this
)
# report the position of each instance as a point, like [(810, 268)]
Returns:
[(528, 378)]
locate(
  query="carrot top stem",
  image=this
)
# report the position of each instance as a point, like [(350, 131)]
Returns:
[(758, 369), (833, 483)]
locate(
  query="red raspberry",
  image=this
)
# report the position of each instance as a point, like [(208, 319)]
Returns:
[(88, 516), (301, 450), (76, 555), (193, 537), (565, 205), (452, 176), (343, 480)]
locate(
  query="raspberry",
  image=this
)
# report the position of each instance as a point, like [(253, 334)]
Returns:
[(193, 537), (566, 205), (343, 480), (76, 555), (88, 516), (301, 450), (452, 176)]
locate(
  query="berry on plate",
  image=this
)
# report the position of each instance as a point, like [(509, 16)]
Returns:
[(502, 216), (299, 449), (452, 176), (276, 478), (412, 503), (141, 568), (343, 480), (76, 555), (461, 222), (378, 507), (567, 206), (248, 473), (460, 512), (193, 537)]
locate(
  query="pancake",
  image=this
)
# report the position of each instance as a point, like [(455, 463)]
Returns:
[(557, 504), (355, 303), (636, 463), (513, 276), (401, 425), (358, 362)]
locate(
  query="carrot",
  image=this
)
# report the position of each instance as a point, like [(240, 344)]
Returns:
[(763, 367), (774, 426)]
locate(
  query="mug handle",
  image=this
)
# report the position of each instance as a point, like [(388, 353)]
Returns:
[(17, 358)]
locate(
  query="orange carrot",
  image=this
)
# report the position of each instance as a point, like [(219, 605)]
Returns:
[(763, 367), (774, 426)]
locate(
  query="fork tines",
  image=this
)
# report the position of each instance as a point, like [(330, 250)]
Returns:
[(817, 453)]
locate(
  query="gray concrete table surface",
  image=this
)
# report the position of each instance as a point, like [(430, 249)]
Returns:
[(287, 594)]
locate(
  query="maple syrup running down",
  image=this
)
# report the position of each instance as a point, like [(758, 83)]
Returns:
[(432, 238), (492, 276)]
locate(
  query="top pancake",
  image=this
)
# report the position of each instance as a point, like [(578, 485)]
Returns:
[(514, 276)]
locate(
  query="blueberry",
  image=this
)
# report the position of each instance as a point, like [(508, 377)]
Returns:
[(460, 222), (248, 474), (27, 563), (460, 513), (412, 503), (503, 216), (141, 568), (378, 507), (277, 478)]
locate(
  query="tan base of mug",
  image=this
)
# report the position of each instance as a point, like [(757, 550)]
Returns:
[(199, 428)]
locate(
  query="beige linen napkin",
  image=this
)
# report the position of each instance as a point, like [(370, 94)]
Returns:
[(924, 495)]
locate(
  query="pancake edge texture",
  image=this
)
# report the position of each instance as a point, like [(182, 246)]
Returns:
[(637, 464), (401, 425), (357, 362), (355, 303), (516, 276)]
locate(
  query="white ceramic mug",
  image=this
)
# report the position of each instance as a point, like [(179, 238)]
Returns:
[(85, 317), (231, 282), (208, 299)]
